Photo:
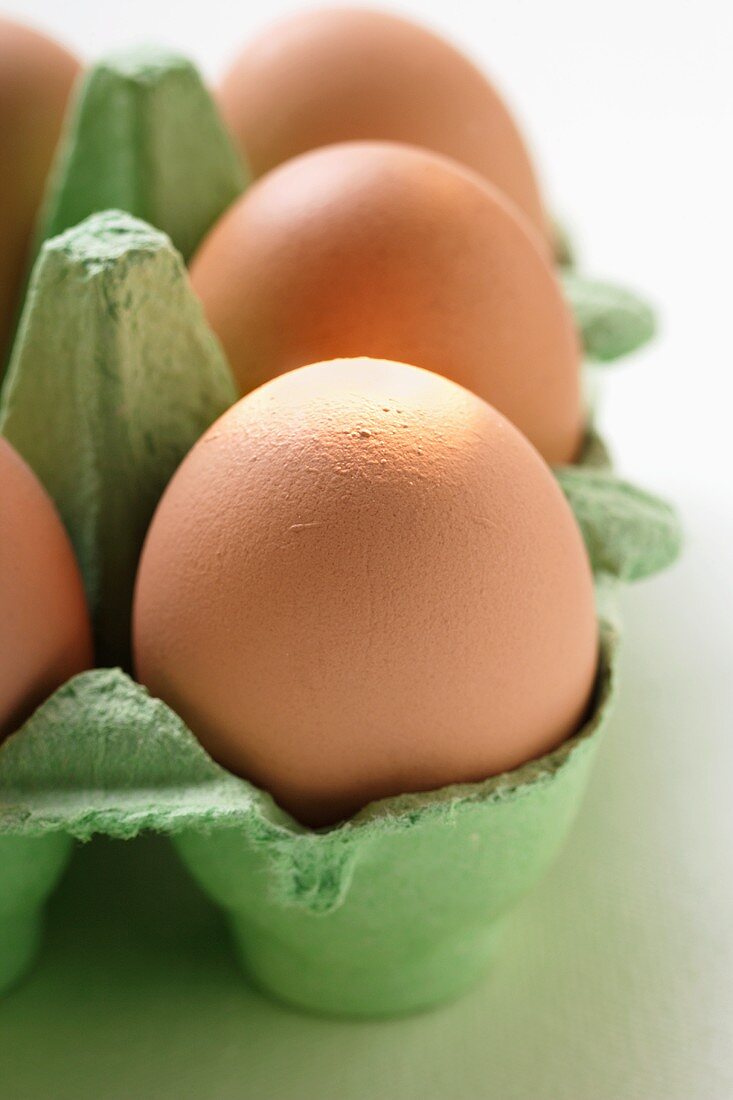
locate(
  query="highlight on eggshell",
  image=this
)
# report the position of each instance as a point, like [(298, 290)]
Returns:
[(36, 77), (341, 74), (44, 620), (363, 581), (383, 250)]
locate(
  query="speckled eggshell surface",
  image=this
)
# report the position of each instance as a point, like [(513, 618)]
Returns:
[(36, 76), (325, 76), (363, 581), (45, 632), (370, 248)]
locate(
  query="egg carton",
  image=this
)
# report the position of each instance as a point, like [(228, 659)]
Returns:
[(113, 377)]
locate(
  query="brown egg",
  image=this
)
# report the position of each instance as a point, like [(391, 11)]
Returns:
[(36, 75), (364, 581), (320, 77), (44, 622), (392, 252)]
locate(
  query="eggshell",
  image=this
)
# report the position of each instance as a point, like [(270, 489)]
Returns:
[(36, 75), (364, 581), (393, 252), (45, 632), (326, 76)]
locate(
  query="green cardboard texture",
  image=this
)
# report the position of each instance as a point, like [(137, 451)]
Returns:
[(144, 136), (388, 912), (29, 869), (114, 376), (629, 534), (612, 321), (403, 907)]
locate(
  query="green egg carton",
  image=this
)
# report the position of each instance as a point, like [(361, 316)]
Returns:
[(30, 867), (114, 375), (393, 911)]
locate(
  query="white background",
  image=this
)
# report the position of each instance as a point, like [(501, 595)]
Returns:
[(619, 984)]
